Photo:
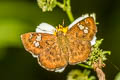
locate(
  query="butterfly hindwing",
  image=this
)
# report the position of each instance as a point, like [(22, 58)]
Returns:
[(79, 51), (45, 47)]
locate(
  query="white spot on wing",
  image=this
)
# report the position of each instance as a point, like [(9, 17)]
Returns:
[(81, 27), (86, 28), (93, 41), (77, 20), (81, 18), (45, 28), (38, 37), (31, 35), (36, 44), (85, 31)]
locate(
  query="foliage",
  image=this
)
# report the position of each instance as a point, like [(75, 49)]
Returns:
[(117, 77), (78, 75), (46, 5), (97, 54)]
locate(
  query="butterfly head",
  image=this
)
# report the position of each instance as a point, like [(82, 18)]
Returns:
[(60, 30)]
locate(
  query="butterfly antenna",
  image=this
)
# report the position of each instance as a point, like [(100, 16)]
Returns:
[(115, 66)]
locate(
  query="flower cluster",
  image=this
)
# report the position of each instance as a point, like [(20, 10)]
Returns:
[(46, 5), (97, 54), (78, 75)]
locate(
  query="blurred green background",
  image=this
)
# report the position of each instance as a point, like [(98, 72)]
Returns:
[(21, 16)]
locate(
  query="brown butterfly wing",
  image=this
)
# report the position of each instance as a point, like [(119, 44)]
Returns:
[(90, 24), (79, 40), (46, 48)]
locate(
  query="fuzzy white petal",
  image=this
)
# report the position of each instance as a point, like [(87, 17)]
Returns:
[(94, 16), (93, 41), (45, 28), (60, 70)]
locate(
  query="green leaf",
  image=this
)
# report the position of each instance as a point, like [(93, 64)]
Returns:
[(117, 77), (80, 75)]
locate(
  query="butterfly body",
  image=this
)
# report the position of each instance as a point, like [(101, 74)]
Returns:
[(65, 46)]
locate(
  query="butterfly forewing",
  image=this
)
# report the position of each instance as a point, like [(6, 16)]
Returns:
[(89, 26), (46, 48), (35, 43), (79, 37)]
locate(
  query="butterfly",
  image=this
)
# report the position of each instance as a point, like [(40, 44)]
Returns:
[(55, 48)]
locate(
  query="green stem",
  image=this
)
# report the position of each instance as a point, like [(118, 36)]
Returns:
[(86, 66), (67, 8), (60, 5), (70, 16), (68, 11)]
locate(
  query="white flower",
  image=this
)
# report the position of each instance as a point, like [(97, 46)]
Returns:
[(45, 28)]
